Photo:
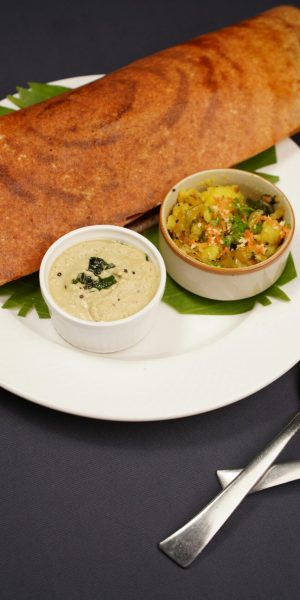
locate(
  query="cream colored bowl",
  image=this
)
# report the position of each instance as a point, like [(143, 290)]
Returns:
[(104, 336), (222, 283)]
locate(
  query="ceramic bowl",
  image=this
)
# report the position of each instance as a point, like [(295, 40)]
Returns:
[(108, 336), (223, 283)]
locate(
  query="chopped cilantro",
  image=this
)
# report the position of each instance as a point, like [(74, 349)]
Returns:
[(238, 227), (243, 210), (227, 241), (215, 222), (257, 229)]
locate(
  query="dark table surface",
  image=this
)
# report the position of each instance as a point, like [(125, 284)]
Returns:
[(83, 503)]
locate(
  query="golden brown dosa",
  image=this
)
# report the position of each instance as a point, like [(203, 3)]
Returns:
[(109, 151)]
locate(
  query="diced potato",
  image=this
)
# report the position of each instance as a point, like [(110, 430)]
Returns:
[(261, 257), (227, 261), (196, 231), (210, 253), (255, 218), (207, 215), (270, 233), (171, 222), (186, 194), (243, 255), (270, 249), (176, 211), (191, 215), (278, 213), (184, 207), (221, 191)]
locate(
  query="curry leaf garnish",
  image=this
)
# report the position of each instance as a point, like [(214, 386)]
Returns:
[(97, 265), (260, 204), (85, 280), (105, 282), (99, 284), (185, 302)]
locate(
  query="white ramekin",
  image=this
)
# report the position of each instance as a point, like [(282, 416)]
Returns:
[(213, 282), (109, 336)]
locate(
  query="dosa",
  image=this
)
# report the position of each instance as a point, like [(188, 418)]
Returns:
[(109, 151)]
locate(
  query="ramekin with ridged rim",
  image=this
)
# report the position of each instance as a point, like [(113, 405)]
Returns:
[(108, 336), (223, 283)]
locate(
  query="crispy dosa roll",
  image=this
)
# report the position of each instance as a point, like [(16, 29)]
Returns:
[(109, 151)]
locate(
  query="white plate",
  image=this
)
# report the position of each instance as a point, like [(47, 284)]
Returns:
[(187, 365)]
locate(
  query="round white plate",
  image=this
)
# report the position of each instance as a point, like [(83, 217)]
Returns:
[(187, 365)]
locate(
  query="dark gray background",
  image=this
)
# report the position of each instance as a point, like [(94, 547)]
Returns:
[(84, 503)]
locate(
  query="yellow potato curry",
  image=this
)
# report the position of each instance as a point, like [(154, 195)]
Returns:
[(221, 227)]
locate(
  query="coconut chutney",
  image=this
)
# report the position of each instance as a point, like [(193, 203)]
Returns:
[(103, 280)]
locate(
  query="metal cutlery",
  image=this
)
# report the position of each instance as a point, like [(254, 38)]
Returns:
[(185, 545), (276, 475)]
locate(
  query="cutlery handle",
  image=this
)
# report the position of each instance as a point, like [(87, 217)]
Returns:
[(185, 544), (276, 475)]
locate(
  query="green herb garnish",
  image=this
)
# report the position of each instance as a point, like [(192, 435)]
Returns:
[(260, 204), (238, 227), (97, 265), (98, 284), (228, 241), (257, 229), (215, 222), (243, 210), (106, 282)]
